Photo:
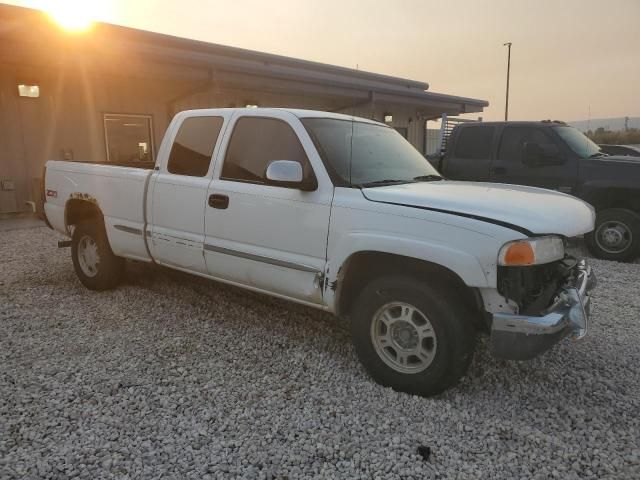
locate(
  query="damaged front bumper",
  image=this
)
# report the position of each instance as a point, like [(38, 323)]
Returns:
[(522, 337)]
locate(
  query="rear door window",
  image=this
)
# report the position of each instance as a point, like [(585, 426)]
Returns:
[(474, 143), (193, 146)]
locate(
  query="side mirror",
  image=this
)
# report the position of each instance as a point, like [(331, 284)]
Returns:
[(287, 173), (540, 154)]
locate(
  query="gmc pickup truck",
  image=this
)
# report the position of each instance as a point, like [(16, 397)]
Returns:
[(556, 156), (344, 215)]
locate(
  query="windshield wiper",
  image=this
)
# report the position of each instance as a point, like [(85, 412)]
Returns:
[(386, 181), (428, 178), (598, 155)]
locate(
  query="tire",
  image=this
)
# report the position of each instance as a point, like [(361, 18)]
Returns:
[(93, 260), (616, 236), (445, 350)]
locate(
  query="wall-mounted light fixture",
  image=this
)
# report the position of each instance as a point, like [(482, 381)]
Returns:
[(32, 91), (388, 118), (251, 105)]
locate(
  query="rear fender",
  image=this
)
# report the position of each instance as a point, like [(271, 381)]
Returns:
[(78, 207)]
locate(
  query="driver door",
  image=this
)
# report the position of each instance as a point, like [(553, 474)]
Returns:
[(508, 165)]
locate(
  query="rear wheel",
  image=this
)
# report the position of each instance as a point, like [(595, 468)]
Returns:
[(616, 236), (411, 337), (95, 264)]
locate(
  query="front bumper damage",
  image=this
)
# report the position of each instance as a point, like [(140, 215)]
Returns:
[(522, 337)]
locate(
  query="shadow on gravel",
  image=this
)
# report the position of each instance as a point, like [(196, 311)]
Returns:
[(285, 322), (489, 379), (153, 278)]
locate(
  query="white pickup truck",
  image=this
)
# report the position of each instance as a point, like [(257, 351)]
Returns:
[(341, 214)]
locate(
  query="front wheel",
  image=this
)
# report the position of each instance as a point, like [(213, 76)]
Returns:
[(616, 236), (411, 337), (93, 260)]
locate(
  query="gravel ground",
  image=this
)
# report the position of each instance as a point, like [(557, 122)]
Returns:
[(176, 377)]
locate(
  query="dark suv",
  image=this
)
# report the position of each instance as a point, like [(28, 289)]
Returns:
[(556, 156)]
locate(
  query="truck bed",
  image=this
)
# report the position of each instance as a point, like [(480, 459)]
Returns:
[(118, 190)]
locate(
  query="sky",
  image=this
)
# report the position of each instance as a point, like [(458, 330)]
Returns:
[(570, 59)]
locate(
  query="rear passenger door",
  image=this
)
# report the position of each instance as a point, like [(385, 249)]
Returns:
[(263, 236), (509, 167), (179, 192), (472, 153)]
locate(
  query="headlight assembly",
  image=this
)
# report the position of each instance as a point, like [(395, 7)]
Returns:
[(531, 251)]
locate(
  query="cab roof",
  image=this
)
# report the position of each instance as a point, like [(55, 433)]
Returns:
[(300, 113)]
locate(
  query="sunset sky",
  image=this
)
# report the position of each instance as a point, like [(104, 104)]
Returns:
[(568, 56)]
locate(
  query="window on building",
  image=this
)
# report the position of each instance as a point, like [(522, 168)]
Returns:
[(402, 131), (255, 143), (32, 91), (128, 138), (514, 138), (474, 143), (193, 146)]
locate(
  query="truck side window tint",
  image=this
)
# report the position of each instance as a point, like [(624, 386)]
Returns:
[(193, 146), (474, 143), (513, 140), (256, 142)]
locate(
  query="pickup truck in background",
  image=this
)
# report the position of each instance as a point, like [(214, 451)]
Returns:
[(344, 215), (553, 155)]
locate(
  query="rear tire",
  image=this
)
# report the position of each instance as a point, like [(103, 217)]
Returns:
[(616, 235), (93, 260), (410, 336)]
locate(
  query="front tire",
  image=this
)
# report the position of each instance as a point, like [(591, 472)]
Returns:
[(411, 337), (93, 260), (616, 235)]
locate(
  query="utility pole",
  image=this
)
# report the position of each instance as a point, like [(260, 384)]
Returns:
[(506, 104)]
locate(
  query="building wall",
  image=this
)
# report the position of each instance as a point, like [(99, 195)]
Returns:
[(433, 137), (66, 120), (12, 166)]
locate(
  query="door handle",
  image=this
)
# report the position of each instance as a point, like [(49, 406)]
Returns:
[(218, 201), (498, 171)]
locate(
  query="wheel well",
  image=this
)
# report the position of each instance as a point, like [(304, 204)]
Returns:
[(362, 267), (78, 210), (628, 198)]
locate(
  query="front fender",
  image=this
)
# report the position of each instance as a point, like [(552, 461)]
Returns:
[(462, 263), (604, 193)]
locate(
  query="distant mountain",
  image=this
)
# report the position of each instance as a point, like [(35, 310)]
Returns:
[(612, 124)]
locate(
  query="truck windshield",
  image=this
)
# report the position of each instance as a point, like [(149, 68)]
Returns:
[(359, 154), (579, 142)]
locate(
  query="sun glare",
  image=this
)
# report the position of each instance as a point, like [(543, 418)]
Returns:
[(74, 15)]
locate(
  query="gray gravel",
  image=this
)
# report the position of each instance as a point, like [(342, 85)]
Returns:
[(176, 377)]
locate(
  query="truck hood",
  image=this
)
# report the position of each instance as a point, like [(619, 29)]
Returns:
[(526, 209)]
